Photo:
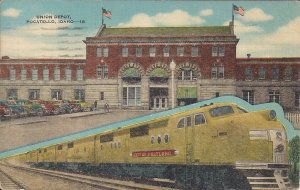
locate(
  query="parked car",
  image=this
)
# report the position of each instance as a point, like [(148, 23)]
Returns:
[(48, 107), (75, 105), (17, 110), (86, 106), (5, 111), (32, 107)]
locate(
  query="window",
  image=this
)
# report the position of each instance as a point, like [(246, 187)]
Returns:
[(214, 71), (12, 93), (297, 99), (106, 138), (158, 139), (34, 74), (167, 138), (57, 73), (23, 73), (248, 73), (12, 73), (70, 145), (152, 140), (102, 52), (79, 74), (138, 51), (101, 95), (189, 121), (152, 51), (139, 131), (288, 73), (181, 123), (261, 73), (221, 111), (248, 95), (79, 94), (102, 72), (275, 73), (221, 72), (45, 73), (274, 96), (194, 51), (68, 73), (56, 94), (125, 52), (33, 94), (166, 51), (214, 51), (199, 119), (221, 51), (180, 51), (131, 96), (186, 74), (59, 147)]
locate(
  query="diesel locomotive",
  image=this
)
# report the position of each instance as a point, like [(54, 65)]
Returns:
[(215, 146)]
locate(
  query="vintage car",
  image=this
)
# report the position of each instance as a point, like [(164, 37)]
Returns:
[(5, 111), (48, 107), (86, 106), (32, 107), (75, 105), (16, 109)]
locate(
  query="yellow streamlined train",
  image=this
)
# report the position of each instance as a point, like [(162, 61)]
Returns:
[(216, 146)]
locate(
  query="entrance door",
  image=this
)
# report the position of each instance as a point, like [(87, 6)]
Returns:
[(159, 102)]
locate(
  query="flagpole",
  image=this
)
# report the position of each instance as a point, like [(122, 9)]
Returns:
[(102, 17), (232, 18)]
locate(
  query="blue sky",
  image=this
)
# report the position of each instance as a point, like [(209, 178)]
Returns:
[(268, 29)]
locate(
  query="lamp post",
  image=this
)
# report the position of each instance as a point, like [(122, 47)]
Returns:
[(172, 67)]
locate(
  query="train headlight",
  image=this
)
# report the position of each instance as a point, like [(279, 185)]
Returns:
[(272, 115), (258, 134)]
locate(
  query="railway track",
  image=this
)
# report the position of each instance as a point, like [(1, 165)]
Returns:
[(7, 182), (101, 183)]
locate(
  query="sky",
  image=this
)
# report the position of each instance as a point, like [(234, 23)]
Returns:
[(268, 28)]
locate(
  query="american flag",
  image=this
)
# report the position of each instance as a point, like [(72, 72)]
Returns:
[(239, 10), (106, 13)]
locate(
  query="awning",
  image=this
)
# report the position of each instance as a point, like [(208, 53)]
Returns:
[(159, 72), (131, 73), (187, 92)]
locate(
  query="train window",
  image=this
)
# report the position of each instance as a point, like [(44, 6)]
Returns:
[(189, 121), (166, 138), (159, 139), (101, 147), (152, 140), (70, 145), (40, 151), (119, 144), (106, 138), (45, 150), (115, 144), (199, 119), (181, 123), (139, 131), (59, 147), (221, 111)]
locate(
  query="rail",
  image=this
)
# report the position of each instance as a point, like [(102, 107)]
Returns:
[(294, 118), (8, 182), (98, 182)]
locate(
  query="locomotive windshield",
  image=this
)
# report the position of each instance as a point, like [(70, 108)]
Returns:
[(220, 111)]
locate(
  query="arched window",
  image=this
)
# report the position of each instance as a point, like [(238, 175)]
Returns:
[(159, 75), (186, 73)]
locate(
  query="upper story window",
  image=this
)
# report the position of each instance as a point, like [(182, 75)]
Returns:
[(194, 51), (68, 73), (217, 71), (166, 51), (56, 94), (23, 73), (218, 51), (297, 99), (180, 51), (248, 73), (261, 73), (12, 73), (274, 96), (125, 52), (12, 93), (34, 73), (56, 73), (138, 51), (221, 72), (102, 51), (102, 72), (214, 72), (186, 74), (199, 119), (45, 73), (275, 73), (152, 51), (79, 74), (288, 73)]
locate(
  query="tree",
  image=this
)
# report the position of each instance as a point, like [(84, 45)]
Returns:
[(294, 145)]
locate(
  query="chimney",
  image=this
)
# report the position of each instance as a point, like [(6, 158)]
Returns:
[(248, 55)]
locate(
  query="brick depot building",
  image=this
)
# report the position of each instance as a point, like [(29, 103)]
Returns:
[(130, 68)]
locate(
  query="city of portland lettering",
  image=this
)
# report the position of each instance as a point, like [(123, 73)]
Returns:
[(154, 153)]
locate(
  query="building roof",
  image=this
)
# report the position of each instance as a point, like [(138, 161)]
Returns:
[(271, 60), (166, 31), (42, 61)]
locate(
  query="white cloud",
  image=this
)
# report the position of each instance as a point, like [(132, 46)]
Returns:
[(256, 15), (175, 18), (206, 12), (240, 28), (11, 12)]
